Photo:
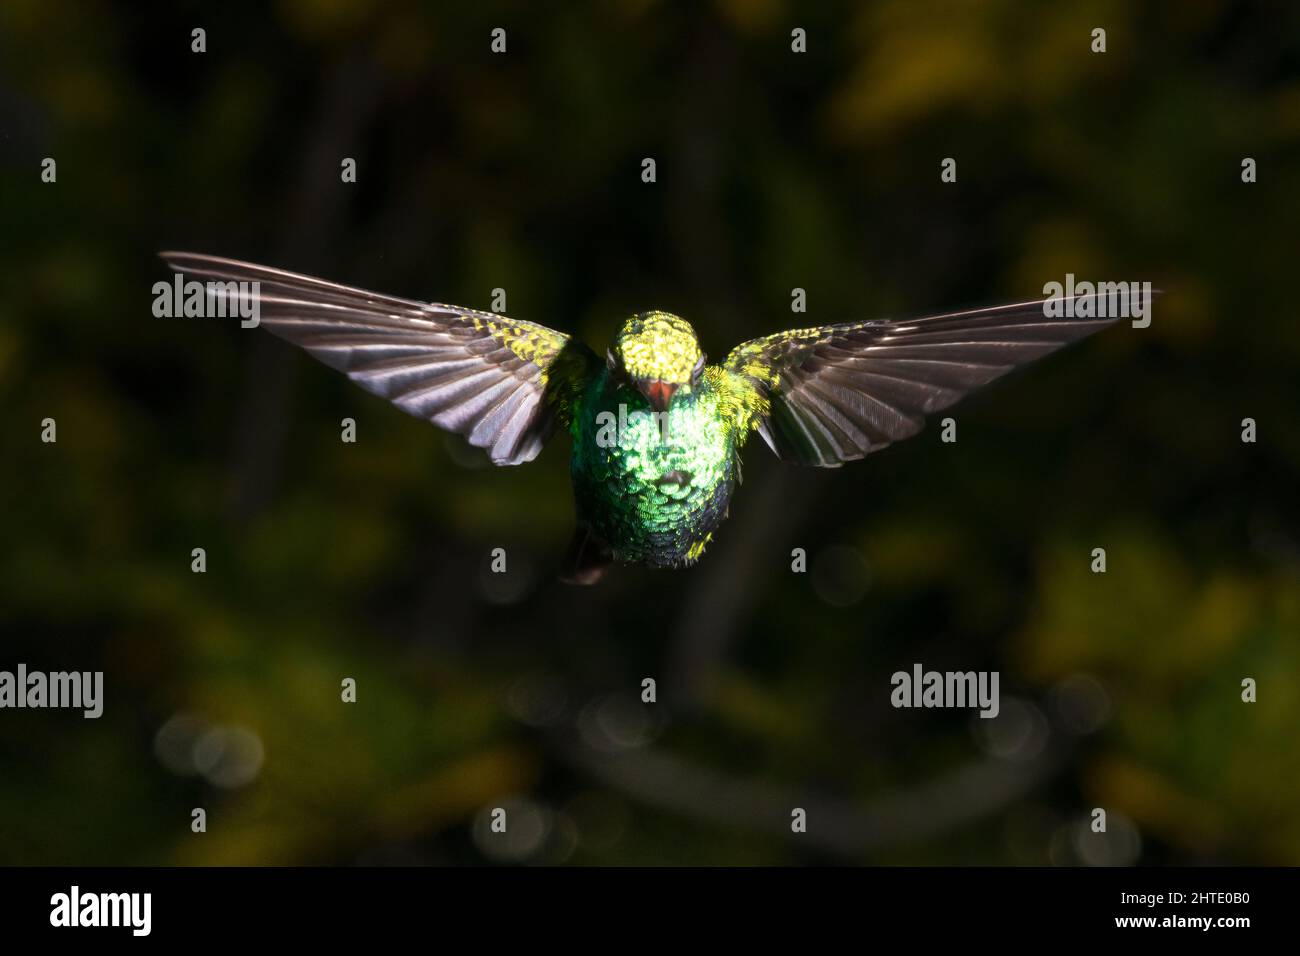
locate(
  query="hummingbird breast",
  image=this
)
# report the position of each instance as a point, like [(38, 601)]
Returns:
[(653, 485)]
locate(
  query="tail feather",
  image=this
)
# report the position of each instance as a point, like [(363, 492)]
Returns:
[(587, 558)]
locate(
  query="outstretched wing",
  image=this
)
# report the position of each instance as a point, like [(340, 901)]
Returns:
[(502, 383), (833, 394)]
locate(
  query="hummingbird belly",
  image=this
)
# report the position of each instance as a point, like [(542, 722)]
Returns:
[(653, 486)]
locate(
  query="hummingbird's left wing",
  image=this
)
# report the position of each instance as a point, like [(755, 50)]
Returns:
[(502, 383), (827, 395)]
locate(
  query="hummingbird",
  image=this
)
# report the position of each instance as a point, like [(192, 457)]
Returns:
[(657, 430)]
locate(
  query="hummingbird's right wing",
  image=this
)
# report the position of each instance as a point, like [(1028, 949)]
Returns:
[(502, 383), (827, 395)]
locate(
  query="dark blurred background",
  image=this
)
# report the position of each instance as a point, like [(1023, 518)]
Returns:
[(775, 170)]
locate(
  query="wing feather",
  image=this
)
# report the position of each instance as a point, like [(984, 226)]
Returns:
[(502, 383), (836, 393)]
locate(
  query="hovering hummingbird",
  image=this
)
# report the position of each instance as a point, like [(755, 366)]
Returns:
[(657, 430)]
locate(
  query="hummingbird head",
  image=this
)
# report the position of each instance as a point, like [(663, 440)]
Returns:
[(659, 354)]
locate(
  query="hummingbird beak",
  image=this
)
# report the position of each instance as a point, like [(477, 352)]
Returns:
[(658, 394)]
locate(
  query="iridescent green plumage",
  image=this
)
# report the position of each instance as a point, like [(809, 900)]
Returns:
[(657, 433), (651, 485)]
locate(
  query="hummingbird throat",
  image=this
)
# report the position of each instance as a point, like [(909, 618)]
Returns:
[(610, 427)]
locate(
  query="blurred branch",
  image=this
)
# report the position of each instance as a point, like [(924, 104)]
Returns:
[(726, 585), (311, 226), (838, 827)]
